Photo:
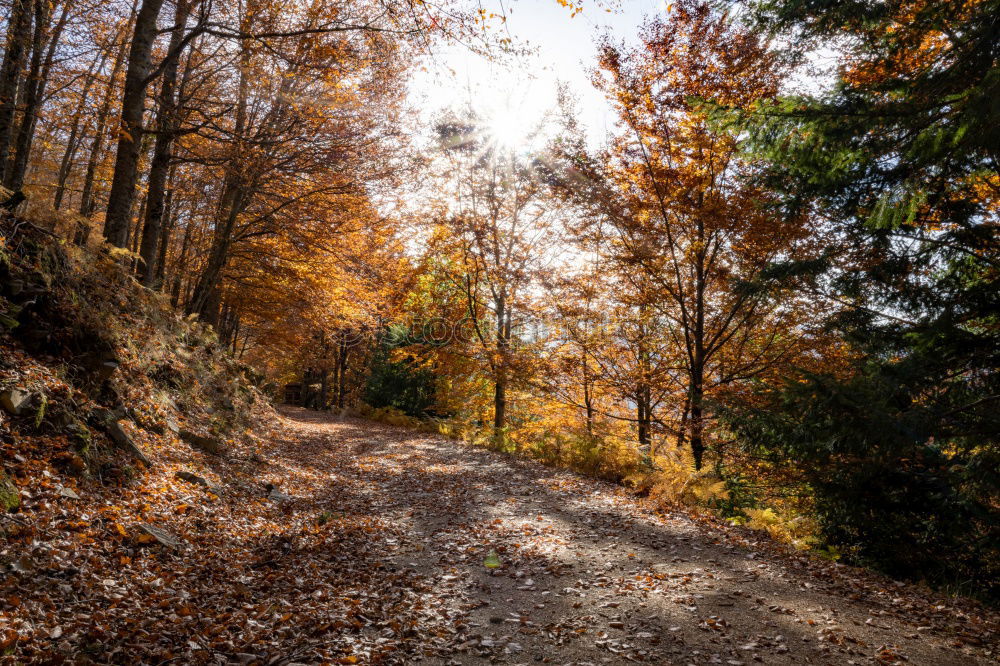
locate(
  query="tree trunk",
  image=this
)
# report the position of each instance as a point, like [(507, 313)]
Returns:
[(588, 401), (35, 92), (682, 428), (644, 407), (236, 333), (342, 372), (208, 280), (97, 146), (231, 204), (73, 143), (324, 380), (122, 195), (13, 174), (335, 376), (133, 234), (169, 220), (210, 310), (697, 443), (502, 348), (324, 370), (499, 404), (228, 324), (642, 419), (179, 268), (698, 362), (166, 125), (18, 33)]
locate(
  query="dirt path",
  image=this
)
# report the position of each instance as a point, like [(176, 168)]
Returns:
[(591, 576), (349, 542)]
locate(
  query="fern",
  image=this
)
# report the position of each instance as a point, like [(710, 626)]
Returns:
[(796, 530), (674, 480)]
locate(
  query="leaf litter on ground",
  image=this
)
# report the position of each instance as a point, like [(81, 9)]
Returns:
[(389, 547)]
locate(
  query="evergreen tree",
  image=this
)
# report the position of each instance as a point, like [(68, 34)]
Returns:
[(398, 383), (899, 162)]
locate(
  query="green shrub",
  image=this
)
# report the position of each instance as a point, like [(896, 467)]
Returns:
[(399, 384), (885, 490)]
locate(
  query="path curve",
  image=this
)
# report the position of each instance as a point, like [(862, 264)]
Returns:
[(349, 542), (591, 575)]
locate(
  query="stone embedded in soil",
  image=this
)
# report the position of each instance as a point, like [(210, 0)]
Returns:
[(124, 442), (159, 535), (278, 496), (106, 369), (210, 445), (15, 401), (190, 477)]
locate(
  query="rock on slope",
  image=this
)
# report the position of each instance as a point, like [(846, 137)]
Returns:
[(100, 379)]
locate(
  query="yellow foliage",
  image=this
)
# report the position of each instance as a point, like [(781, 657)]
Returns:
[(389, 415), (798, 531), (674, 480)]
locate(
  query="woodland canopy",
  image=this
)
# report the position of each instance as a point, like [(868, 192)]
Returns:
[(778, 302)]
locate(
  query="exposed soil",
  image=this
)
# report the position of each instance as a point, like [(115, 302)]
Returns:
[(372, 550), (592, 575)]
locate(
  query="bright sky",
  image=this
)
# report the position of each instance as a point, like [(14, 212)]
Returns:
[(516, 95)]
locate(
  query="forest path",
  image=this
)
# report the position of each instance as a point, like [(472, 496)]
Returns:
[(590, 574), (350, 542)]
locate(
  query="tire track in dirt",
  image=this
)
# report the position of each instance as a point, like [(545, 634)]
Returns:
[(591, 575)]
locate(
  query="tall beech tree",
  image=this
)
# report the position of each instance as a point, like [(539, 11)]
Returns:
[(15, 53), (166, 128), (496, 232), (689, 233), (88, 195), (45, 40), (138, 71)]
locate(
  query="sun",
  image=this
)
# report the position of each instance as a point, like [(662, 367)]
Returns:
[(507, 129)]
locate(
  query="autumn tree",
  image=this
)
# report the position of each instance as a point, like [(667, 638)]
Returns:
[(15, 52), (689, 234), (578, 303), (494, 230), (611, 352), (316, 319), (34, 33), (166, 128), (252, 25)]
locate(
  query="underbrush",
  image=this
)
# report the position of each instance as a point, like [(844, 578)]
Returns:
[(606, 457), (85, 347)]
